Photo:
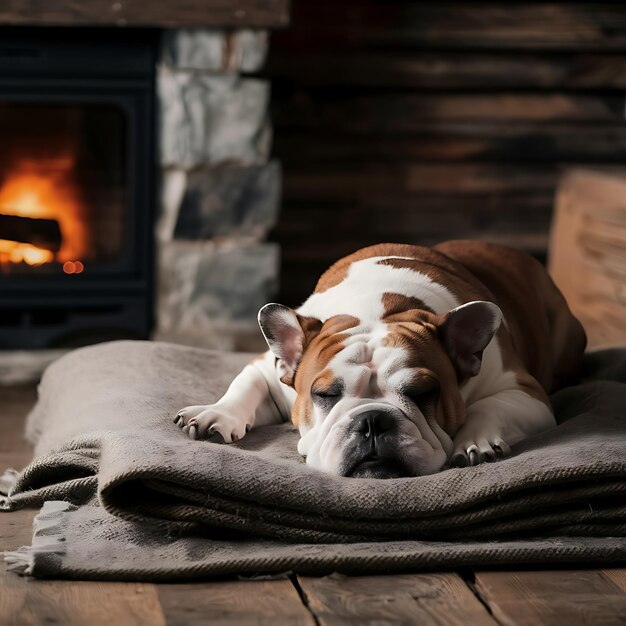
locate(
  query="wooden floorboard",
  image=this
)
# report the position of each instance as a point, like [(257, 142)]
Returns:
[(426, 599), (79, 604), (553, 598), (618, 576), (244, 603), (562, 597), (15, 403)]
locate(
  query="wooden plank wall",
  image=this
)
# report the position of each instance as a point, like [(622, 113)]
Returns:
[(417, 122), (181, 14)]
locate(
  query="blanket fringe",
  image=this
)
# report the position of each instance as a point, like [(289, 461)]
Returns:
[(19, 561), (48, 538), (7, 480)]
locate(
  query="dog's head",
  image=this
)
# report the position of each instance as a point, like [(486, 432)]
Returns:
[(379, 400)]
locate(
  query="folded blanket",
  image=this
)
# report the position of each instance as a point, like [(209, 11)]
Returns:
[(143, 502)]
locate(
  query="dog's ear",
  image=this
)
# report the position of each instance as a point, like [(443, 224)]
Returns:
[(466, 331), (287, 335)]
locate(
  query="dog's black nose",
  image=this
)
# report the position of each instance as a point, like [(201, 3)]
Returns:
[(374, 451), (373, 423)]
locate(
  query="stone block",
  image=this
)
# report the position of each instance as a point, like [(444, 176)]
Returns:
[(248, 50), (193, 49), (228, 201), (210, 119), (203, 286), (173, 183), (214, 50)]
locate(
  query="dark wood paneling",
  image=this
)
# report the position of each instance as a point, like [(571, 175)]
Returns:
[(157, 13), (459, 25), (317, 230), (451, 70), (418, 122), (353, 182), (418, 218), (450, 142), (402, 113)]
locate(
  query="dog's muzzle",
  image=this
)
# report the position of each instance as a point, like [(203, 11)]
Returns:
[(373, 451)]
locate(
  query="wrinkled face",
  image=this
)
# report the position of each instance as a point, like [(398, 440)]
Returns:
[(379, 400), (374, 402)]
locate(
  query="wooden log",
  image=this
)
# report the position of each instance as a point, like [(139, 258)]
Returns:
[(43, 233)]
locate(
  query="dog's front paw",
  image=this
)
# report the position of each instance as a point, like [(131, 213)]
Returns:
[(206, 421), (468, 452)]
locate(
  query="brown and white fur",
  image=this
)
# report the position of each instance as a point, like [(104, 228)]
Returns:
[(406, 359)]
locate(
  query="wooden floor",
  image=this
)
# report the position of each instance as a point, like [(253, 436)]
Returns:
[(561, 597)]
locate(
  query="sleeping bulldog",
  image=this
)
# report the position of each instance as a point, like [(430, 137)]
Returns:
[(406, 360)]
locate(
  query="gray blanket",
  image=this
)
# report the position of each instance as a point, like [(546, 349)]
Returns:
[(128, 496)]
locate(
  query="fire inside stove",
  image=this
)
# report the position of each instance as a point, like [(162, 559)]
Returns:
[(42, 218), (62, 188)]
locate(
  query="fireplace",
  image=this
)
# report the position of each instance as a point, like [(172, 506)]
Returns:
[(76, 185), (135, 145)]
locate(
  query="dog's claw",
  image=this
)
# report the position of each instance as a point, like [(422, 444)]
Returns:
[(212, 422), (501, 449), (483, 451), (473, 456), (458, 460), (487, 456)]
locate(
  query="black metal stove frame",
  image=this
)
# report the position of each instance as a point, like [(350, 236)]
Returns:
[(90, 66)]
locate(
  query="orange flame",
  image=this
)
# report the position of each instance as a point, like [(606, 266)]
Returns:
[(14, 252), (44, 190)]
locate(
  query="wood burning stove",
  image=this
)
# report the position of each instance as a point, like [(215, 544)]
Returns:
[(76, 185)]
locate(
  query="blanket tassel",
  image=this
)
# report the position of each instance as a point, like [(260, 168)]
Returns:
[(48, 538), (7, 480)]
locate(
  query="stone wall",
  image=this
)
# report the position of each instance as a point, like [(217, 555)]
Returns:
[(220, 191)]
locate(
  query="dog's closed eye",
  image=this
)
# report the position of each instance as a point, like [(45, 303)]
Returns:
[(326, 393), (421, 392), (327, 397)]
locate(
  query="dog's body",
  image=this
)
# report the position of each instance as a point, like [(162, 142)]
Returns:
[(398, 364)]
